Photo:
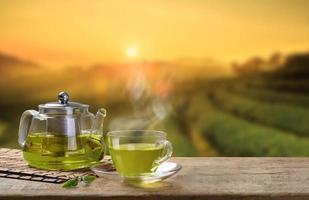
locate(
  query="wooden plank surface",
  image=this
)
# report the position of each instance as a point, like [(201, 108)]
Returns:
[(200, 178)]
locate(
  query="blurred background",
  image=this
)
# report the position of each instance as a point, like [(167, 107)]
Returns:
[(222, 78)]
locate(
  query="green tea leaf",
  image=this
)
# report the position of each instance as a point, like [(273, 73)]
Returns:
[(84, 180), (88, 179), (70, 183)]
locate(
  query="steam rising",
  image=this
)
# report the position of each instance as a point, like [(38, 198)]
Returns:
[(148, 108)]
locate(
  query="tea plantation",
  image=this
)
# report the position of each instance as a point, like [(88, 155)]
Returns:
[(264, 114)]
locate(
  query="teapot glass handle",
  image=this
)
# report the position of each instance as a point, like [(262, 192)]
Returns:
[(25, 122)]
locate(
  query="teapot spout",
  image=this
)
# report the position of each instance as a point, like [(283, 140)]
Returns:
[(101, 112), (98, 121)]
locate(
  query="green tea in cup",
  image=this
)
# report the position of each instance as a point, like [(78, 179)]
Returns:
[(138, 153), (135, 158)]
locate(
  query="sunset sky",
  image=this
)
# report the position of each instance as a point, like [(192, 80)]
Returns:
[(84, 32)]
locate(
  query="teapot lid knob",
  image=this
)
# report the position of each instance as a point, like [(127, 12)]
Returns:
[(63, 97)]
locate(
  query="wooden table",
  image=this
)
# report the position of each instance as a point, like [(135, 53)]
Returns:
[(200, 178)]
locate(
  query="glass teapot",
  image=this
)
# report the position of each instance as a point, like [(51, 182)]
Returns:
[(62, 135)]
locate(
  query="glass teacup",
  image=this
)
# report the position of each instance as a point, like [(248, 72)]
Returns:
[(138, 153)]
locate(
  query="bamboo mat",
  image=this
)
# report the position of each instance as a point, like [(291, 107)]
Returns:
[(12, 165)]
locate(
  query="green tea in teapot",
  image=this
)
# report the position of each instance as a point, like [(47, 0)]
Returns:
[(60, 152)]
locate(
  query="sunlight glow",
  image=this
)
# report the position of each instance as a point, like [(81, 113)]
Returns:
[(132, 52)]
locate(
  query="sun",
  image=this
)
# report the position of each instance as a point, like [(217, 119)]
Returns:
[(132, 52)]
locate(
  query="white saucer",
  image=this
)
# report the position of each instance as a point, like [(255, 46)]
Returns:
[(164, 171)]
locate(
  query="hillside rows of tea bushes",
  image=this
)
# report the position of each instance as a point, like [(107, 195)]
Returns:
[(281, 84), (268, 95), (259, 114), (236, 136), (285, 117)]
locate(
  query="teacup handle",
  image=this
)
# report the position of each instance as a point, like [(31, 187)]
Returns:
[(169, 151)]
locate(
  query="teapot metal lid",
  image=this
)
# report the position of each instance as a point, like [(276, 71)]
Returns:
[(63, 106)]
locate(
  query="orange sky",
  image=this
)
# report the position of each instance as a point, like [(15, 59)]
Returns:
[(84, 32)]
